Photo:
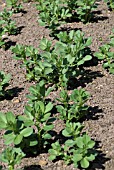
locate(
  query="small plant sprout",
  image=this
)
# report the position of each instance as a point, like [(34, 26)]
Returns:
[(12, 156), (4, 79), (7, 24), (14, 5), (77, 149), (110, 4), (106, 54), (72, 106)]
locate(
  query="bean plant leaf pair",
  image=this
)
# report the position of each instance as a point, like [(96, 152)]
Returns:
[(107, 55), (14, 5), (15, 129), (55, 64), (72, 106), (4, 82), (12, 156), (78, 149), (7, 24), (52, 14)]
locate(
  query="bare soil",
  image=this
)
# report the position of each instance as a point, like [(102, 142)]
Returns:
[(99, 123)]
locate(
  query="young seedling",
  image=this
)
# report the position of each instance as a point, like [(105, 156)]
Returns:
[(78, 149), (2, 37), (11, 156), (14, 5), (4, 79), (107, 54), (6, 22), (110, 4), (84, 9), (16, 130), (39, 111), (72, 106), (52, 14)]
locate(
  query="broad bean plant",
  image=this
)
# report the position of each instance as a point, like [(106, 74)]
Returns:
[(56, 64), (106, 54), (77, 149), (4, 82)]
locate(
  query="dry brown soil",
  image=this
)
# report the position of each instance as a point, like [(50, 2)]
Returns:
[(99, 123)]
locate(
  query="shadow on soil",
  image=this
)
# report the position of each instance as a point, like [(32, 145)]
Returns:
[(86, 77), (19, 29), (33, 167), (100, 160), (11, 93), (94, 113), (8, 44)]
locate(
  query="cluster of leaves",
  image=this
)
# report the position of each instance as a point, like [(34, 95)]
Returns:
[(110, 4), (55, 64), (77, 149), (19, 129), (50, 65), (4, 79), (53, 13), (11, 156), (32, 129), (107, 54), (83, 9), (72, 106), (7, 25), (14, 5)]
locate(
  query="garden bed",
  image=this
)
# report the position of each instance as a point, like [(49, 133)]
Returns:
[(99, 122)]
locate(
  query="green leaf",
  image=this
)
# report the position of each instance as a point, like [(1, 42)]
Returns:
[(80, 62), (100, 56), (52, 157), (41, 23), (48, 71), (77, 157), (9, 138), (105, 65), (111, 70), (48, 91), (89, 41), (26, 132), (91, 157), (41, 104), (46, 136), (48, 127), (18, 139), (46, 117), (10, 117), (79, 142), (84, 163), (3, 121), (87, 57), (53, 152), (69, 143), (91, 144), (49, 107), (33, 142)]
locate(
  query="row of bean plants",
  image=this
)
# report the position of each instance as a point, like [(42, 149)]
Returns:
[(51, 67)]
